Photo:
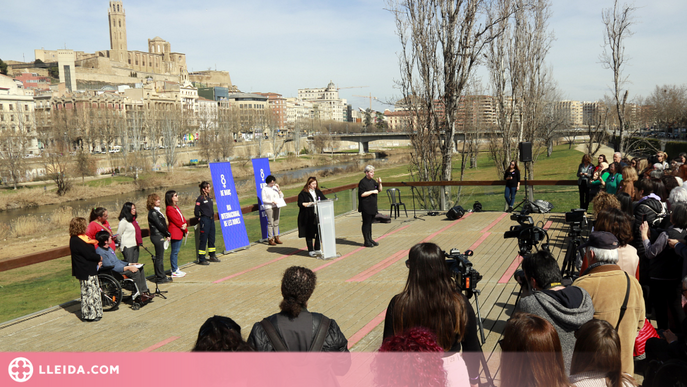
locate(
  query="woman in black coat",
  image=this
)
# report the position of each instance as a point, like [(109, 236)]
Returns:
[(158, 235), (307, 217), (85, 264)]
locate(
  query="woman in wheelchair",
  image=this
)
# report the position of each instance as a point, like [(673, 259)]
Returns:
[(124, 268)]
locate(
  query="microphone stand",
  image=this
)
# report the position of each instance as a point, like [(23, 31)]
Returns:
[(412, 192), (157, 292)]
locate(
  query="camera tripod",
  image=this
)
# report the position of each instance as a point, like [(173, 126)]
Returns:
[(526, 201), (569, 268)]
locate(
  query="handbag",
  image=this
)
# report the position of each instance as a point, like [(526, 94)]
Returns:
[(647, 332)]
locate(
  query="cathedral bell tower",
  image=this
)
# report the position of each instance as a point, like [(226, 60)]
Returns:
[(117, 19)]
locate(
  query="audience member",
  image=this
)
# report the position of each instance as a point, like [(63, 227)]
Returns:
[(420, 363), (603, 201), (129, 233), (85, 264), (616, 296), (296, 329), (629, 178), (596, 361), (430, 300), (669, 345), (642, 166), (531, 353), (220, 334), (626, 204), (584, 175), (122, 267), (566, 308), (666, 267), (619, 224)]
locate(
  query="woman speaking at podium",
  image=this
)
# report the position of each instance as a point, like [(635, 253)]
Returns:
[(307, 215)]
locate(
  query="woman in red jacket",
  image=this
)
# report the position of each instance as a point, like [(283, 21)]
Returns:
[(178, 227), (98, 222)]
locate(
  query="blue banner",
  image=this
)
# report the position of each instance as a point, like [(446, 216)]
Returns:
[(261, 169), (228, 207)]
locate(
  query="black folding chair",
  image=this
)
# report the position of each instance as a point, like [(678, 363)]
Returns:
[(395, 199)]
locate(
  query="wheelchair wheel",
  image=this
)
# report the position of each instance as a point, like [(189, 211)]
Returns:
[(110, 291)]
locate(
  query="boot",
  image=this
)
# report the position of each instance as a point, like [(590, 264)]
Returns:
[(277, 241), (271, 242), (213, 258)]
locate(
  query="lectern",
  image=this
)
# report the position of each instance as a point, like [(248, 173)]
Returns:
[(327, 234)]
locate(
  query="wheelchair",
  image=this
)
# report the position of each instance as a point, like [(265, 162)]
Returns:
[(114, 287)]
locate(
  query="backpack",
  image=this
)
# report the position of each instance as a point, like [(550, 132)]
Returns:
[(541, 206)]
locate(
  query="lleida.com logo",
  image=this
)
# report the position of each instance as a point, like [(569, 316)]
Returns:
[(20, 369)]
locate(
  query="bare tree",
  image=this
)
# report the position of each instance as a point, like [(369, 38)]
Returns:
[(56, 165), (668, 107), (441, 41), (617, 22), (14, 144)]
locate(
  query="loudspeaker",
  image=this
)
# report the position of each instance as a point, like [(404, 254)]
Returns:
[(456, 212), (525, 151)]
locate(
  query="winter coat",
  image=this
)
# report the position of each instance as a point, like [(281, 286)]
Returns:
[(565, 318), (307, 218)]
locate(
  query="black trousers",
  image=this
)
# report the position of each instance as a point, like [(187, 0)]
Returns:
[(309, 243), (665, 299), (584, 195), (159, 263), (367, 226)]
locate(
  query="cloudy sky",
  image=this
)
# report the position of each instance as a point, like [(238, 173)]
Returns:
[(280, 46)]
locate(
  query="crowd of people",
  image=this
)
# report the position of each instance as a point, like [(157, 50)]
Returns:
[(93, 245)]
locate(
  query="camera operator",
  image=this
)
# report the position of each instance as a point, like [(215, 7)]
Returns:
[(566, 308)]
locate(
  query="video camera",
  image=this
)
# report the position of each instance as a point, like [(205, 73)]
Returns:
[(463, 273), (527, 233), (576, 218)]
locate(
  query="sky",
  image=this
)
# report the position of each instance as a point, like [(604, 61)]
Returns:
[(281, 46)]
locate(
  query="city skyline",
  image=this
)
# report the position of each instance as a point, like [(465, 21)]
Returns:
[(270, 46)]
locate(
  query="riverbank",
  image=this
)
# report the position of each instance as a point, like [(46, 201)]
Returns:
[(31, 233)]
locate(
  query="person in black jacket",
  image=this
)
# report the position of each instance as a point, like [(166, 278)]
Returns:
[(205, 213), (368, 189), (430, 300), (295, 327), (307, 216), (85, 264), (648, 208), (512, 178), (158, 235)]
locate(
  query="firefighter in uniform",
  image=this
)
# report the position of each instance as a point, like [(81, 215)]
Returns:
[(205, 213)]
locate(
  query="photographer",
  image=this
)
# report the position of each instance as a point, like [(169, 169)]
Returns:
[(566, 308), (430, 300)]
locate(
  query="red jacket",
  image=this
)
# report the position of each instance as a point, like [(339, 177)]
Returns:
[(94, 227), (176, 219)]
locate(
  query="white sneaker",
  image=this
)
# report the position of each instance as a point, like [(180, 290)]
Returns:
[(312, 253), (178, 274)]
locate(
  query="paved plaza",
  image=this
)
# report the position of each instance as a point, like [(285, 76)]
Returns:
[(354, 289)]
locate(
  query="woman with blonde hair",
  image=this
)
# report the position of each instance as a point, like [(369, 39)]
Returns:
[(629, 177)]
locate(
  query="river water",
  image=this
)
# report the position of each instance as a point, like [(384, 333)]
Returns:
[(114, 203)]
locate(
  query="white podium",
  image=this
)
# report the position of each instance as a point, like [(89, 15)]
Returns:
[(327, 228)]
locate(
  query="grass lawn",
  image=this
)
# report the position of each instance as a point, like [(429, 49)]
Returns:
[(36, 287)]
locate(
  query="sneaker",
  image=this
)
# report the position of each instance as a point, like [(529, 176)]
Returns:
[(312, 253), (178, 274)]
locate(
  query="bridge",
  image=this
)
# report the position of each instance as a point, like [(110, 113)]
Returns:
[(364, 139)]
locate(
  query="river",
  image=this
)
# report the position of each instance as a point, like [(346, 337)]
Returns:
[(114, 202)]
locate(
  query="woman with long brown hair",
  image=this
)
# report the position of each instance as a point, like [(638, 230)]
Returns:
[(307, 215), (596, 360), (532, 354), (430, 300)]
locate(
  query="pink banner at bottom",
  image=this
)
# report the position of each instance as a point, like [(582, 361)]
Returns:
[(119, 369)]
